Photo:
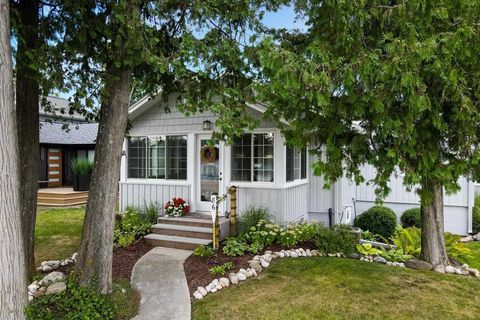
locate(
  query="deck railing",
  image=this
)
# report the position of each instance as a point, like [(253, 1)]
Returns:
[(216, 201)]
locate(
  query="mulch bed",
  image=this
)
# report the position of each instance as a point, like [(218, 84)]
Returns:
[(123, 260), (198, 275)]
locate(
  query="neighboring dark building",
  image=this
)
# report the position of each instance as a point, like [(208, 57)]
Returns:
[(63, 137)]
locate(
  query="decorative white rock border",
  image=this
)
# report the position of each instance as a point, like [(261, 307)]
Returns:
[(50, 265), (258, 263)]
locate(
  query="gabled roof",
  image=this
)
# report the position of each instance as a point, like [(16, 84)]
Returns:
[(59, 111), (147, 102), (74, 134)]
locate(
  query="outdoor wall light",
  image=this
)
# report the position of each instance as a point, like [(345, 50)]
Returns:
[(207, 125)]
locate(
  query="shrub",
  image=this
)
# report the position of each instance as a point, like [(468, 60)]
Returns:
[(395, 255), (456, 249), (379, 220), (221, 270), (411, 218), (75, 303), (409, 240), (476, 215), (337, 239), (367, 235), (131, 227), (81, 166), (150, 212), (234, 247), (264, 233), (251, 217), (293, 234), (255, 247), (204, 252)]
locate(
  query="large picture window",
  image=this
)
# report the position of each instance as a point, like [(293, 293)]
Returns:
[(252, 157), (296, 163), (162, 157)]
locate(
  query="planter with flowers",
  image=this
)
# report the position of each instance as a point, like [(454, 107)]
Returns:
[(177, 207)]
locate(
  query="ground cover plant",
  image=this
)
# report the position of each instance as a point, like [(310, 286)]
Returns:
[(303, 288)]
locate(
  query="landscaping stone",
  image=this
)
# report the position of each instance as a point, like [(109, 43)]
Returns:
[(353, 256), (380, 260), (197, 295), (401, 265), (293, 254), (440, 268), (208, 288), (287, 254), (464, 266), (332, 255), (40, 292), (219, 286), (57, 287), (476, 237), (241, 276), (202, 291), (47, 268), (467, 239), (214, 289), (458, 271), (254, 272), (33, 287), (281, 254), (224, 281), (74, 256), (308, 253), (450, 270), (52, 277), (264, 264), (233, 278), (473, 272), (418, 264)]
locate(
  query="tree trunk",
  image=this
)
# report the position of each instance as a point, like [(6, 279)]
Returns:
[(95, 257), (27, 101), (433, 239), (13, 286)]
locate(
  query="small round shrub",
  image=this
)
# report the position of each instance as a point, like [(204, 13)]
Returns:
[(411, 218), (378, 220)]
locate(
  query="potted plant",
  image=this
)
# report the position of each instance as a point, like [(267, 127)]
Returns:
[(176, 207), (82, 171)]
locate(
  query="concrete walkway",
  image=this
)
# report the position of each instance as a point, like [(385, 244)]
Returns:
[(160, 279)]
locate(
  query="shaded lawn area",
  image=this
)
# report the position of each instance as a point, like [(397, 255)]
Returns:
[(58, 233), (474, 260), (332, 288)]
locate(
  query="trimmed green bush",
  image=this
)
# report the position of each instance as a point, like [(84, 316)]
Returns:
[(378, 220), (335, 240), (476, 215), (411, 218)]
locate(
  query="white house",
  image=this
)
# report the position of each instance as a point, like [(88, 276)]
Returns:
[(167, 155)]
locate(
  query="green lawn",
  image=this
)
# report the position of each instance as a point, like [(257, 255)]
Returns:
[(474, 260), (58, 233), (331, 288)]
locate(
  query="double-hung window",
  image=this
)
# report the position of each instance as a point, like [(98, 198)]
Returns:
[(159, 157), (252, 157), (296, 163)]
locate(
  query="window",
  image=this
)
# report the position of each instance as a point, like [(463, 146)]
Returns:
[(136, 157), (252, 157), (296, 163), (162, 157)]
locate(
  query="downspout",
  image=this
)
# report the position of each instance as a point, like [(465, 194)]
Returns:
[(471, 202)]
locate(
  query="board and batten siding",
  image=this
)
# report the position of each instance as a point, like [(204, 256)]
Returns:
[(456, 206), (138, 194), (319, 198)]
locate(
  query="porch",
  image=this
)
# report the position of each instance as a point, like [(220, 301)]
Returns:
[(61, 197)]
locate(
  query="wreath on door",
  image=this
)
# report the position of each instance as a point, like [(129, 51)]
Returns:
[(208, 154)]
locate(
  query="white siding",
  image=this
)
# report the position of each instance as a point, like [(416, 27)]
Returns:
[(456, 210), (138, 194), (261, 197), (296, 203)]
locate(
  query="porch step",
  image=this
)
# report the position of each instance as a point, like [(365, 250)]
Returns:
[(182, 231), (193, 222), (175, 242)]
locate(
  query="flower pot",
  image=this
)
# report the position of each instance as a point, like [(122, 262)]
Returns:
[(81, 182)]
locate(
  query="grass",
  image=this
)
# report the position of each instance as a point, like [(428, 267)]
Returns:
[(58, 233), (331, 288), (474, 260)]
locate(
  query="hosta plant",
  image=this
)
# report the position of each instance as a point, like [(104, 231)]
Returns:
[(234, 247), (204, 252), (367, 249)]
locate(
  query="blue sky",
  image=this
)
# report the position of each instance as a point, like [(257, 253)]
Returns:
[(284, 18)]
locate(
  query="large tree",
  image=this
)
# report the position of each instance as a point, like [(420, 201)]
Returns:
[(390, 83), (13, 293), (190, 47)]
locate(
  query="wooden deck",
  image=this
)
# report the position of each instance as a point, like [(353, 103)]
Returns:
[(61, 197)]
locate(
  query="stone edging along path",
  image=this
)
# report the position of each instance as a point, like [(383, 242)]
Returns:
[(160, 279), (258, 263)]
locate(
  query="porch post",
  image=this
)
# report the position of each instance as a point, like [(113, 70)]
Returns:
[(233, 211), (215, 227)]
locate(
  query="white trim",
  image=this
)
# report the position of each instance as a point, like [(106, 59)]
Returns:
[(162, 182), (296, 183)]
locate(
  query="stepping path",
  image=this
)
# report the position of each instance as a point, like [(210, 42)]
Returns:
[(160, 279)]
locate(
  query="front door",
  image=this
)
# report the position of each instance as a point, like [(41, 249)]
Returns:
[(209, 174), (54, 170)]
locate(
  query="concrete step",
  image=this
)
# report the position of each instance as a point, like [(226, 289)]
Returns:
[(175, 242), (182, 231), (193, 222)]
